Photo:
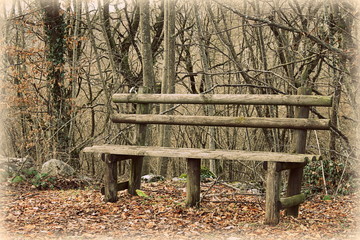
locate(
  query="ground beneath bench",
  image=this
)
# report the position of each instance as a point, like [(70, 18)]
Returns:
[(28, 213)]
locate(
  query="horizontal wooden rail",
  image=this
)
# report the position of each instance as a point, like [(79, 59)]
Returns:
[(285, 166), (251, 122), (119, 187), (154, 151), (292, 201), (244, 99)]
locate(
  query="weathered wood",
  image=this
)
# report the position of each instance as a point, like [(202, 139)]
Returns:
[(272, 205), (110, 178), (292, 201), (141, 133), (296, 174), (251, 122), (274, 162), (294, 188), (120, 186), (141, 130), (119, 157), (244, 99), (239, 155), (193, 182), (135, 174), (286, 166)]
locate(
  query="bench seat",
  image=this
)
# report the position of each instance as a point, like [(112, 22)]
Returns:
[(155, 151)]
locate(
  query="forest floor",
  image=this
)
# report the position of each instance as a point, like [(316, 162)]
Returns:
[(28, 213)]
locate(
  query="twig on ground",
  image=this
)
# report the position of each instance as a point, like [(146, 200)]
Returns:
[(212, 185)]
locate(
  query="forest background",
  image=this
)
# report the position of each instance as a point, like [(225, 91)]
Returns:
[(63, 60)]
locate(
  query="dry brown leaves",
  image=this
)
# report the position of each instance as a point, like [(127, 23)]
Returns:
[(82, 214)]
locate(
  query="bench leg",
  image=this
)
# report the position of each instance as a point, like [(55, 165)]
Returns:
[(193, 182), (110, 178), (296, 174), (272, 207), (294, 188), (135, 174)]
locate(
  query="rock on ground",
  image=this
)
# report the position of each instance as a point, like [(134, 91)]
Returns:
[(55, 167), (152, 178)]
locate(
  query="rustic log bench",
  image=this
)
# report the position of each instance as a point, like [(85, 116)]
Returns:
[(274, 162)]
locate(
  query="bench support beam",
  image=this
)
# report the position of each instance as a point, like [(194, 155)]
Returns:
[(285, 166), (193, 182), (135, 174), (120, 186), (294, 188), (110, 177), (292, 201), (296, 174), (272, 207)]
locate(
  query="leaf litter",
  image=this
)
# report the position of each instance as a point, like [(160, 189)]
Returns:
[(28, 213)]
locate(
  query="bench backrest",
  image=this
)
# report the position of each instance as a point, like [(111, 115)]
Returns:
[(240, 99)]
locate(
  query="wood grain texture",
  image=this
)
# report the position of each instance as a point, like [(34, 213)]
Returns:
[(286, 166), (110, 178), (244, 99), (120, 186), (251, 122), (299, 146), (272, 203), (154, 151), (294, 200), (193, 182), (135, 174)]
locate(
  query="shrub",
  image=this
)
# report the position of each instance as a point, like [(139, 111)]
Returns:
[(32, 176), (204, 174), (338, 177)]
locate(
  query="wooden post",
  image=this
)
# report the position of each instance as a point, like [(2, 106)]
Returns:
[(140, 139), (272, 207), (193, 182), (110, 177), (296, 173), (135, 174)]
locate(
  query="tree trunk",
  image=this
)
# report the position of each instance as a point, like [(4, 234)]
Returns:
[(75, 66), (168, 81), (146, 51), (59, 107), (110, 45), (147, 62), (210, 109)]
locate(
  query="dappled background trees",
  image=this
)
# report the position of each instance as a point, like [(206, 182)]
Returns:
[(63, 60)]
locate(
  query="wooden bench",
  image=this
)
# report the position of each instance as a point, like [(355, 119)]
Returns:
[(275, 162)]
